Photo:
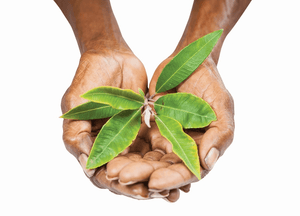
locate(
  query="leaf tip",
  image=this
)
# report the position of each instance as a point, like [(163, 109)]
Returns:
[(141, 92), (89, 164), (83, 95), (64, 116), (198, 175)]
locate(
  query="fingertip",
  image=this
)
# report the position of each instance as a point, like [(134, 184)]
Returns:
[(136, 191), (164, 179), (186, 188), (173, 196), (162, 194), (115, 166), (212, 158), (135, 172), (212, 145)]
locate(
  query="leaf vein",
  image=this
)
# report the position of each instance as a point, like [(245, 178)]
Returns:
[(163, 106), (187, 158), (89, 110), (185, 63), (117, 96), (117, 134)]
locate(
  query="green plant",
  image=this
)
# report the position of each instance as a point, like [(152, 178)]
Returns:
[(172, 112)]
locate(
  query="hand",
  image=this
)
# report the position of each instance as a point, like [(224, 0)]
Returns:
[(212, 141), (106, 68)]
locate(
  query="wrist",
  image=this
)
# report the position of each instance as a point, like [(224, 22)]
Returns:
[(102, 44), (209, 16), (94, 24)]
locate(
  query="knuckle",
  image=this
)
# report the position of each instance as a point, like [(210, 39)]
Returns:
[(228, 132), (70, 100), (228, 100), (71, 143), (66, 101)]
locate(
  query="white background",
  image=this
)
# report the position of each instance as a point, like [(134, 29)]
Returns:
[(259, 64)]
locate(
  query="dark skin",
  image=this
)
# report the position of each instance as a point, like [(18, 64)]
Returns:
[(148, 168)]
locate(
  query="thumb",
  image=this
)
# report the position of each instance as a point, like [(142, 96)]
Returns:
[(213, 144)]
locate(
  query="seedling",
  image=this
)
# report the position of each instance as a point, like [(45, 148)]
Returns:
[(172, 112)]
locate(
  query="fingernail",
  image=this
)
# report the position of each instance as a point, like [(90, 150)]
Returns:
[(160, 151), (212, 157), (111, 179), (82, 160), (127, 183), (160, 195)]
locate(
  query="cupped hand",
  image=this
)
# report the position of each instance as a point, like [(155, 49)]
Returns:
[(104, 68), (212, 141)]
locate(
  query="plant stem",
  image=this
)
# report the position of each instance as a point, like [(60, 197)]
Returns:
[(152, 96)]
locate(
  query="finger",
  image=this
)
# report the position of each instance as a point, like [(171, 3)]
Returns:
[(78, 141), (153, 155), (171, 158), (162, 194), (76, 137), (186, 188), (135, 172), (115, 166), (157, 140), (213, 144), (134, 156), (140, 146), (139, 171), (173, 195), (126, 151), (137, 191), (174, 176), (99, 179)]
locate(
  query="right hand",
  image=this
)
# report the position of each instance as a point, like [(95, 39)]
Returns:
[(105, 68)]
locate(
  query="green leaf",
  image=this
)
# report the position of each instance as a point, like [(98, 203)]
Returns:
[(115, 97), (114, 137), (190, 110), (186, 62), (141, 92), (183, 145), (89, 111)]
